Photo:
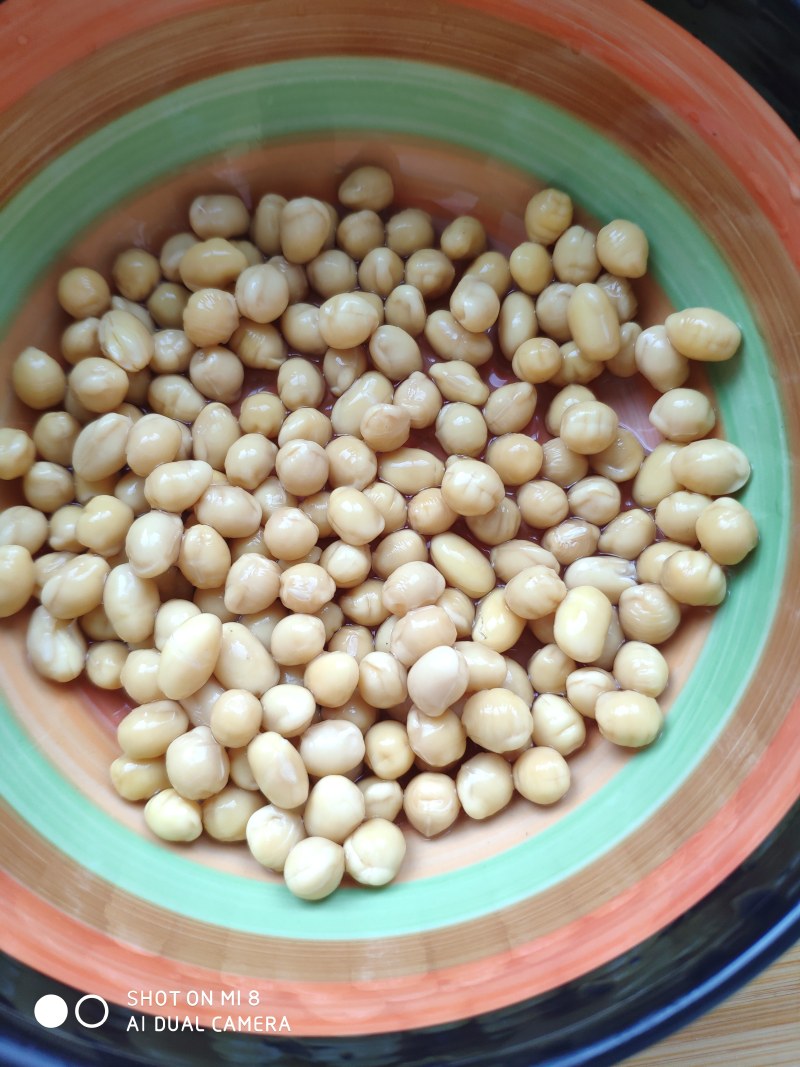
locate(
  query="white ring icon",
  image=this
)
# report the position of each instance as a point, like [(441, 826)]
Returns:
[(91, 996)]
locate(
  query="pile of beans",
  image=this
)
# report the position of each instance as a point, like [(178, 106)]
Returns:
[(273, 499)]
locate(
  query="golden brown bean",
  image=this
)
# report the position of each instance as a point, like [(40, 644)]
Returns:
[(147, 731), (498, 526), (80, 340), (497, 720), (551, 310), (534, 592), (152, 440), (209, 318), (408, 231), (37, 379), (628, 718), (130, 603), (610, 574), (104, 663), (648, 613), (431, 803), (83, 292), (251, 585), (48, 486), (542, 504), (574, 257), (418, 396), (703, 334), (17, 579), (367, 188), (474, 304), (430, 272), (56, 647), (713, 467), (54, 436), (138, 779), (561, 465), (593, 322), (557, 725), (658, 361), (621, 460), (76, 588), (585, 685), (265, 226), (683, 415), (596, 499), (692, 577), (471, 487), (368, 389), (547, 215), (642, 668), (676, 515), (727, 531), (189, 656), (243, 662), (177, 486), (628, 534), (571, 540), (496, 625), (655, 479), (588, 427), (136, 273), (623, 299), (622, 248), (304, 228), (358, 233), (99, 384), (460, 382), (23, 526), (297, 639), (226, 815), (581, 623), (463, 238), (450, 340), (541, 775), (166, 305), (405, 307), (175, 397)]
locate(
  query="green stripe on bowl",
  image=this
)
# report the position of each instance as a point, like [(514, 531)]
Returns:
[(245, 108)]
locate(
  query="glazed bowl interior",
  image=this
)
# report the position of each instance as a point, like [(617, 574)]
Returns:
[(251, 99)]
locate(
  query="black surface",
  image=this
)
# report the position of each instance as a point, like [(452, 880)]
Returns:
[(759, 38)]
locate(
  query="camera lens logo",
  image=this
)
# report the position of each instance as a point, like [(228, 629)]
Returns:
[(51, 1011)]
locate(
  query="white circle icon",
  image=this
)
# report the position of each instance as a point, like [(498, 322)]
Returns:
[(91, 996), (50, 1010)]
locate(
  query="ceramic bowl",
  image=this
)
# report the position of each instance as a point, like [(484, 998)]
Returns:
[(511, 936)]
